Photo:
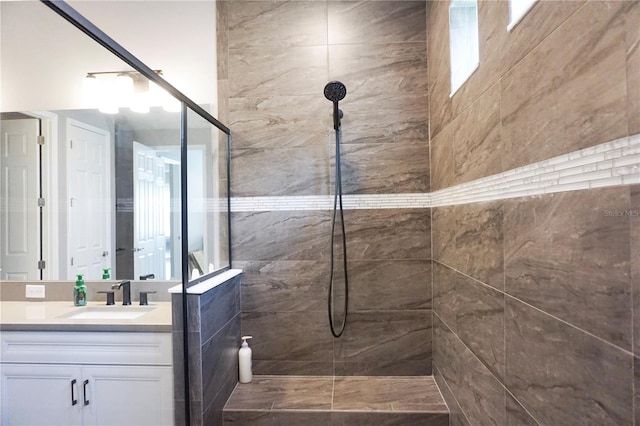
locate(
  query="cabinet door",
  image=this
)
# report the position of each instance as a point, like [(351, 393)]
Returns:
[(127, 395), (38, 395)]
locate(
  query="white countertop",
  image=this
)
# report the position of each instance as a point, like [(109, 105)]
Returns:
[(52, 316)]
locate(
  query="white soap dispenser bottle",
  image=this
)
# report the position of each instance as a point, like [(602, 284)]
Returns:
[(244, 361)]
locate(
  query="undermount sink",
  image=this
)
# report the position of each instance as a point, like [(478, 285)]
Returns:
[(108, 312)]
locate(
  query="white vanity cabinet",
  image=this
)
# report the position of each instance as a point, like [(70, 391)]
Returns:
[(82, 378)]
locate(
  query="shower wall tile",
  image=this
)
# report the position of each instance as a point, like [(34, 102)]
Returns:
[(376, 285), (456, 416), (479, 242), (217, 308), (568, 254), (634, 235), (269, 71), (288, 336), (398, 168), (222, 40), (390, 118), (636, 390), (478, 148), (516, 415), (277, 24), (380, 68), (632, 38), (543, 18), (290, 171), (563, 375), (568, 72), (281, 235), (346, 418), (481, 395), (284, 286), (280, 122), (388, 234), (443, 234), (446, 294), (441, 164), (480, 322), (387, 343), (376, 22), (446, 350)]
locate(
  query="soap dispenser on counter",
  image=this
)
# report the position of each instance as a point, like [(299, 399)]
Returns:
[(244, 361), (105, 274), (80, 292)]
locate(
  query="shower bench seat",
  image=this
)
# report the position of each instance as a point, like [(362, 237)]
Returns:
[(337, 401)]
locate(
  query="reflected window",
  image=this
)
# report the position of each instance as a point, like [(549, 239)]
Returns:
[(517, 9), (463, 41)]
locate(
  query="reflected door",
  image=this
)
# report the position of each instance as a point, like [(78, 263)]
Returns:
[(88, 177), (151, 207), (19, 211)]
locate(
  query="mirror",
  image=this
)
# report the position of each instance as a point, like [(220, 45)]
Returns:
[(103, 190)]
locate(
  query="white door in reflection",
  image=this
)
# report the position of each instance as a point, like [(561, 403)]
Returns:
[(151, 209), (89, 200), (19, 230)]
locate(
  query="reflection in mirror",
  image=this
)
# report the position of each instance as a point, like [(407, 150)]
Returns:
[(110, 190), (206, 193)]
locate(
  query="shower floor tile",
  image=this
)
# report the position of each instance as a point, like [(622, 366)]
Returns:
[(333, 401)]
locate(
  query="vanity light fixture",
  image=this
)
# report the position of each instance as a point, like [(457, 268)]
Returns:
[(110, 90)]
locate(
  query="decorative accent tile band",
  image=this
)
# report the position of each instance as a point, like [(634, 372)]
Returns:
[(608, 164)]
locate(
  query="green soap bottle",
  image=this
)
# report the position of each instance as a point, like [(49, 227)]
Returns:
[(105, 274), (80, 292)]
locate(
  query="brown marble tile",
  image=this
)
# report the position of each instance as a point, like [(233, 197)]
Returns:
[(438, 60), (376, 22), (265, 71), (456, 416), (636, 390), (288, 336), (476, 138), (278, 392), (516, 415), (280, 121), (277, 24), (287, 235), (280, 171), (387, 117), (446, 349), (217, 307), (543, 18), (376, 285), (380, 68), (480, 322), (632, 38), (385, 168), (446, 294), (568, 89), (442, 160), (479, 242), (277, 418), (383, 343), (293, 368), (565, 255), (480, 394), (634, 234), (443, 233), (222, 40), (388, 419), (563, 375), (388, 234), (293, 286), (361, 393)]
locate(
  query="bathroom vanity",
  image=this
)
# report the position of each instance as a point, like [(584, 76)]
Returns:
[(65, 365)]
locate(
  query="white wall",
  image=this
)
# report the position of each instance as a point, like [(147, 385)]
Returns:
[(43, 59)]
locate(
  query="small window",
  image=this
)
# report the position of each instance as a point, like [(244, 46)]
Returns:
[(517, 9), (463, 41)]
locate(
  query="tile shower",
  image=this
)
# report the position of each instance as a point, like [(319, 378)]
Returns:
[(522, 308)]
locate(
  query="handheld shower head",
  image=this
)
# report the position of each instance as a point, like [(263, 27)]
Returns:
[(335, 91)]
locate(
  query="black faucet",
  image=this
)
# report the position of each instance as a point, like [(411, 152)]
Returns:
[(126, 291)]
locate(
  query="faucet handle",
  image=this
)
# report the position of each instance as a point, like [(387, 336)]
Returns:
[(110, 298), (143, 297)]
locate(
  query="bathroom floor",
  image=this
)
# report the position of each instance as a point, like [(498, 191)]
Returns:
[(326, 400)]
